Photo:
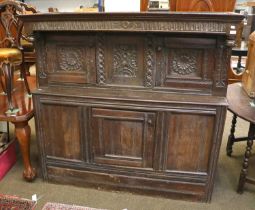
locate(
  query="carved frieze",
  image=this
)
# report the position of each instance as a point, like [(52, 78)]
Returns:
[(125, 59), (191, 26), (70, 59), (184, 61)]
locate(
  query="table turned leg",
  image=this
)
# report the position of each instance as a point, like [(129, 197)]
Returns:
[(22, 131), (231, 137), (247, 155)]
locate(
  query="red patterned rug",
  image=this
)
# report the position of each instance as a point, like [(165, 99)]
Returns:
[(15, 203), (59, 206)]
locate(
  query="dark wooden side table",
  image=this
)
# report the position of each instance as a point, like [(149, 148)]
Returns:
[(240, 106), (20, 121)]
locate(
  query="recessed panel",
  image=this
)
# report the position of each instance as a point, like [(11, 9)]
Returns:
[(189, 140), (186, 64), (71, 61), (61, 130), (125, 60), (123, 137)]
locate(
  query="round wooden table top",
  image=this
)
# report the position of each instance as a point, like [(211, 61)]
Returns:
[(240, 102)]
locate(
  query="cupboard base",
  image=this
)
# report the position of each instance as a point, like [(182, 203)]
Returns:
[(137, 185)]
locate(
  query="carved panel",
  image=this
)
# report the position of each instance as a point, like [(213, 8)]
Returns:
[(70, 59), (125, 61), (126, 64), (183, 66), (184, 61)]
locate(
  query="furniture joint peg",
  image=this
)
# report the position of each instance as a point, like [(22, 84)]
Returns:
[(149, 121)]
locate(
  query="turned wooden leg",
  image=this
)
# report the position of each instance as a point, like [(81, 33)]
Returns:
[(247, 155), (231, 137), (8, 83), (22, 131)]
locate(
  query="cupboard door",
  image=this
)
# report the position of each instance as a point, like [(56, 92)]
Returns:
[(124, 57), (186, 64), (70, 61), (189, 138), (124, 138), (61, 131)]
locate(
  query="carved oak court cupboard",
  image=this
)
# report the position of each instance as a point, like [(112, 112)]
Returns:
[(132, 101)]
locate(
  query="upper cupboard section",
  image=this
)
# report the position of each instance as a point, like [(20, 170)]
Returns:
[(137, 60)]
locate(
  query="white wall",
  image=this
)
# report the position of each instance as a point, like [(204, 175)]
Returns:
[(122, 5), (62, 5)]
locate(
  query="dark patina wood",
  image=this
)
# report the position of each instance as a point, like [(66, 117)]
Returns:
[(240, 106), (132, 101)]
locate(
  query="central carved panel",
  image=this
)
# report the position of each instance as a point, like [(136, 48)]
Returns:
[(125, 61), (184, 62), (70, 59)]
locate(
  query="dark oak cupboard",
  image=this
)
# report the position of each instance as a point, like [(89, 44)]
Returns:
[(132, 101)]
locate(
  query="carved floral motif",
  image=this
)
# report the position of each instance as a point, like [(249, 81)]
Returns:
[(184, 62), (70, 58), (125, 61)]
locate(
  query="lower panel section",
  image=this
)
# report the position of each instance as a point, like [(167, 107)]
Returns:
[(167, 150), (141, 185)]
